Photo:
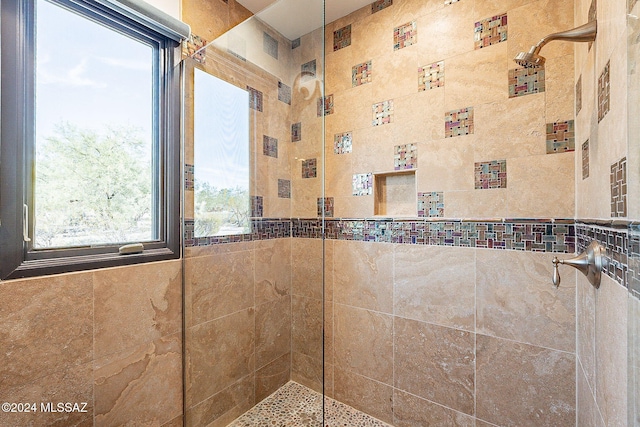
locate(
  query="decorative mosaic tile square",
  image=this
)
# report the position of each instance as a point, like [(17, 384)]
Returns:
[(295, 43), (255, 98), (491, 174), (284, 188), (525, 81), (325, 106), (189, 182), (579, 95), (343, 143), (585, 159), (382, 113), (490, 31), (325, 206), (342, 38), (405, 157), (363, 184), (189, 232), (604, 93), (379, 5), (270, 45), (284, 93), (619, 189), (405, 35), (431, 205), (431, 76), (257, 206), (237, 46), (458, 122), (561, 137), (269, 146), (296, 132), (308, 71), (194, 47), (310, 168), (361, 74)]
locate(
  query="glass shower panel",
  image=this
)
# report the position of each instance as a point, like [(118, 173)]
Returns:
[(254, 290)]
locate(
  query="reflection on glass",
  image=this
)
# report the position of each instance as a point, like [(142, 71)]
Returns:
[(221, 157)]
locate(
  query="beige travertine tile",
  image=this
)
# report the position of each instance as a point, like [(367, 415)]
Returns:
[(520, 384), (559, 89), (222, 408), (273, 269), (373, 149), (363, 275), (541, 186), (353, 107), (222, 350), (363, 342), (611, 352), (47, 326), (407, 10), (136, 304), (516, 299), (142, 385), (353, 207), (411, 411), (611, 30), (488, 203), (307, 371), (435, 363), (202, 251), (586, 328), (218, 285), (306, 327), (273, 376), (587, 410), (364, 394), (273, 330), (419, 117), (392, 78), (373, 35), (73, 384), (435, 284), (448, 32), (176, 422), (306, 267), (338, 177), (448, 164), (486, 8)]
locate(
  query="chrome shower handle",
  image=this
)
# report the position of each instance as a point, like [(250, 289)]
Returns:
[(591, 262)]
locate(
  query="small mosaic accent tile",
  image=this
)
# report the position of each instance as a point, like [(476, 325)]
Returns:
[(363, 184), (431, 205), (342, 38), (189, 180), (237, 46), (269, 146), (585, 159), (343, 143), (619, 188), (310, 168), (284, 93), (431, 76), (193, 47), (270, 45), (491, 174), (604, 93), (189, 232), (379, 5), (257, 206), (525, 81), (325, 106), (579, 95), (561, 137), (490, 31), (255, 98), (361, 74), (325, 206), (284, 188), (405, 157), (382, 113), (616, 244), (308, 71), (458, 122), (405, 35), (295, 43), (296, 132)]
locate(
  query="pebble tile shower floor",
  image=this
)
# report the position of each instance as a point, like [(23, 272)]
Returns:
[(294, 405)]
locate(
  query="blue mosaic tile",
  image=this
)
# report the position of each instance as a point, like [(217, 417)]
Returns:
[(405, 35), (363, 184), (526, 81), (361, 74), (491, 174), (405, 157), (284, 93), (458, 122), (189, 179), (382, 113), (342, 38), (561, 137), (342, 143), (296, 132), (270, 45), (490, 31), (431, 76), (431, 205), (269, 146)]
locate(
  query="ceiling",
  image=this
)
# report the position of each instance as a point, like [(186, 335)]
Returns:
[(294, 18)]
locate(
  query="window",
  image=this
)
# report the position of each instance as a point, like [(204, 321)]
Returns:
[(90, 136)]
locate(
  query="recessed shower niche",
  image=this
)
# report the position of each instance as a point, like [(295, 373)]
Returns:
[(395, 194)]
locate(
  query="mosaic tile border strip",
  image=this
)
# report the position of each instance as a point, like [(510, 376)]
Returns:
[(633, 259), (616, 243), (561, 137), (261, 229), (618, 181), (490, 31)]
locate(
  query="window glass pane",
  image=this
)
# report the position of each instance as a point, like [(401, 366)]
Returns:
[(221, 152), (94, 133)]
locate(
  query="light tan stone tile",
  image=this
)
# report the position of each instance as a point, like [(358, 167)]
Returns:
[(364, 394), (273, 376), (410, 411), (273, 330), (488, 203), (273, 269), (447, 165), (306, 327), (448, 31), (223, 407)]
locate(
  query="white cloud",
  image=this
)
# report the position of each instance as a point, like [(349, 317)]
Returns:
[(128, 64), (72, 77)]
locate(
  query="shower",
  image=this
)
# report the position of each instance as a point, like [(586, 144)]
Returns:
[(583, 33)]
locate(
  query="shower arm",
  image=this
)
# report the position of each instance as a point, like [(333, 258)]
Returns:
[(583, 33)]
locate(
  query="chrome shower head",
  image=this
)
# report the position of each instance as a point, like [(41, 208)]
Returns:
[(584, 33)]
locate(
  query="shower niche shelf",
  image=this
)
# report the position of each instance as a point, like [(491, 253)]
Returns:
[(395, 194)]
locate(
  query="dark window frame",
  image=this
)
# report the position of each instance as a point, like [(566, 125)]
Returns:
[(17, 108)]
